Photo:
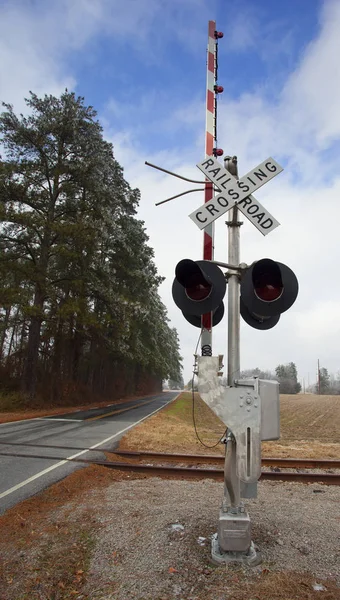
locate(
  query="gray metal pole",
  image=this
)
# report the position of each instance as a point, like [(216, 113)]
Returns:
[(231, 482), (233, 286)]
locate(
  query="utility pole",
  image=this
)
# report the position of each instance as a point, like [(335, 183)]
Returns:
[(319, 387)]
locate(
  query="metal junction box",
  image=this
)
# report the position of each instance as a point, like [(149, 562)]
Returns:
[(270, 407), (234, 532)]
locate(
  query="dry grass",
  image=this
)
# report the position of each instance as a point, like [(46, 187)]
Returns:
[(309, 428), (172, 430)]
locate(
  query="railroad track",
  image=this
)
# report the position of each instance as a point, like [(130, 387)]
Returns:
[(293, 463), (171, 465), (195, 471)]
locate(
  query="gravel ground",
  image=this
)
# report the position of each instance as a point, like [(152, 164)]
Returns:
[(140, 555)]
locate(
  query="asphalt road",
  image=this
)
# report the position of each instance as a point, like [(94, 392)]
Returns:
[(22, 477)]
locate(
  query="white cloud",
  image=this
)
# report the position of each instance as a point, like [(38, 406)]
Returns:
[(312, 93)]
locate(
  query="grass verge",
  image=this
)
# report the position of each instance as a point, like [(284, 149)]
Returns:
[(172, 429)]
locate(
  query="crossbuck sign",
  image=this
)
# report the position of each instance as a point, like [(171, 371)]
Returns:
[(238, 192)]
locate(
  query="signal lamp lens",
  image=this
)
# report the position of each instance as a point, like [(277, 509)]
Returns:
[(268, 292), (267, 289), (267, 280), (198, 291)]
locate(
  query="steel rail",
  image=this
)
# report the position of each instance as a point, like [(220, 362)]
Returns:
[(294, 463), (190, 472)]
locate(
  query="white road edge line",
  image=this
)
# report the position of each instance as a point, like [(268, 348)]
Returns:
[(63, 462)]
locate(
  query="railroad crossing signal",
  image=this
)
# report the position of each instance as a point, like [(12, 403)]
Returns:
[(198, 288), (237, 191), (268, 288)]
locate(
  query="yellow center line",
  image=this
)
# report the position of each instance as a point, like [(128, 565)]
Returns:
[(116, 412)]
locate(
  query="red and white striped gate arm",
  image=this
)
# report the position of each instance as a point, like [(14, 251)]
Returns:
[(210, 150)]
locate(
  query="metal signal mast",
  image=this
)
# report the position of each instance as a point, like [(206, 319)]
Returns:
[(210, 150)]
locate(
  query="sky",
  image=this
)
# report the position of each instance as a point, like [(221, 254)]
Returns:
[(142, 65)]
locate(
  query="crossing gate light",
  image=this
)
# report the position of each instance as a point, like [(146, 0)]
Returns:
[(268, 288), (198, 288)]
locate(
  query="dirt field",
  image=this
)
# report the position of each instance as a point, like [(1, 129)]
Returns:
[(305, 416), (310, 427)]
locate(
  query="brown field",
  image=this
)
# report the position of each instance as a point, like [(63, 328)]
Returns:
[(305, 416), (310, 427)]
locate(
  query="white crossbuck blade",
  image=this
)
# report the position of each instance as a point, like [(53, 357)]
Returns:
[(237, 192)]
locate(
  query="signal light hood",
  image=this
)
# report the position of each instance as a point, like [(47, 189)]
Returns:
[(268, 288), (198, 288)]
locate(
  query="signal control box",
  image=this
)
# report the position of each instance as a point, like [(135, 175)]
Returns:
[(270, 406)]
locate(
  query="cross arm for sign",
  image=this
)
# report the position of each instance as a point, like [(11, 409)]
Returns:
[(238, 192)]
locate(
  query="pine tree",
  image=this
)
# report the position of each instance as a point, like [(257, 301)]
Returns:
[(78, 283), (287, 377)]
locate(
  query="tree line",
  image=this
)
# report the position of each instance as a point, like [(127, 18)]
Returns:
[(79, 306), (286, 375)]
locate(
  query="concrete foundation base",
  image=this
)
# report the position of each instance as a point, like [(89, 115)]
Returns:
[(252, 557)]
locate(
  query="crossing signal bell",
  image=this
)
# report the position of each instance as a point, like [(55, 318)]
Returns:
[(268, 288), (198, 288)]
